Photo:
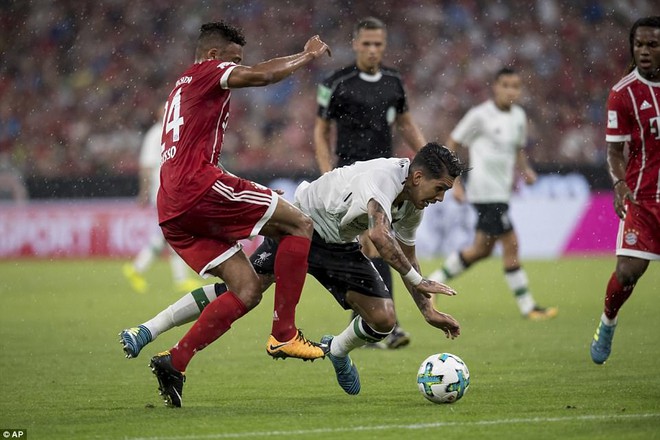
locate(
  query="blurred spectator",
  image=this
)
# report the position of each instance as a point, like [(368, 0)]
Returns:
[(76, 105)]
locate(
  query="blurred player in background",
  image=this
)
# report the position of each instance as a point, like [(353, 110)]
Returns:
[(495, 134), (204, 210), (633, 120), (363, 100), (149, 183), (385, 198)]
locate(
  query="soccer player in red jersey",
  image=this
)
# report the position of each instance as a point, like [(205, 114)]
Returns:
[(633, 119), (203, 210)]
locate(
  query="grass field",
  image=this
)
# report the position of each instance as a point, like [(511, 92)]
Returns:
[(63, 376)]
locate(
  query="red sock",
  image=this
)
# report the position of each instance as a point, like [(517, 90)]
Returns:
[(215, 320), (290, 271), (615, 296)]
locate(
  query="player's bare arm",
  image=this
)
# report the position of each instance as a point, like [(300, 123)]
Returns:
[(410, 132), (616, 161), (522, 163), (380, 234), (458, 190), (276, 69), (437, 319), (322, 129)]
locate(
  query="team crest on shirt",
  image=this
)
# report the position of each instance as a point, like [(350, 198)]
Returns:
[(630, 236), (261, 258)]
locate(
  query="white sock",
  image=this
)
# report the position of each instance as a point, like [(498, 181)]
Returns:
[(355, 335), (518, 283), (147, 254), (608, 321), (185, 310)]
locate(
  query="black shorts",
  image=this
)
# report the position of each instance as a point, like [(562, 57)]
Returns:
[(493, 218), (338, 267)]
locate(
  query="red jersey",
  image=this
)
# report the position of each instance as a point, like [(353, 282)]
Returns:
[(633, 116), (196, 117)]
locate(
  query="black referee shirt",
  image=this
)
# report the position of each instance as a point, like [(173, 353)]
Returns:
[(364, 107)]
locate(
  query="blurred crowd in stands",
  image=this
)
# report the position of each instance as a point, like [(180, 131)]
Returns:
[(80, 82)]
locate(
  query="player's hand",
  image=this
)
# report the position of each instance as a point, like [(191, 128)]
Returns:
[(623, 195), (428, 287), (317, 47), (446, 323)]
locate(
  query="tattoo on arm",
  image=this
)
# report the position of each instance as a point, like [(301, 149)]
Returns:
[(380, 232)]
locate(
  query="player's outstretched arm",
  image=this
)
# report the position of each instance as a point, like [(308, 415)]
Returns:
[(276, 69), (380, 233)]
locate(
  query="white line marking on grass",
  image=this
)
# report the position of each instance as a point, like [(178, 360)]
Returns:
[(350, 429)]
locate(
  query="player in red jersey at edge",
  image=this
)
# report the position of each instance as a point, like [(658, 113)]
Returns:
[(203, 210), (633, 119)]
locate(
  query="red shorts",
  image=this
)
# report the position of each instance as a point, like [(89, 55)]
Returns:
[(639, 232), (207, 234)]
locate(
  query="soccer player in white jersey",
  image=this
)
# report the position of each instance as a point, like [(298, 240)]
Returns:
[(495, 133), (384, 197), (149, 181)]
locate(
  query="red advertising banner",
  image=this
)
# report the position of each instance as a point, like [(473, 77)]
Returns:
[(78, 229)]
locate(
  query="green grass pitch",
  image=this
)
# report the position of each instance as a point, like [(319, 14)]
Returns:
[(63, 375)]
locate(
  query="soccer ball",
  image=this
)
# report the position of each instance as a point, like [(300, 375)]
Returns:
[(443, 378)]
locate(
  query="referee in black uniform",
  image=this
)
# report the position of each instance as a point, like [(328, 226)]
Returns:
[(363, 100)]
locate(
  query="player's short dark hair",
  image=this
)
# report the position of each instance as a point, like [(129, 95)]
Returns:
[(436, 161), (369, 23), (217, 33), (505, 71), (653, 22)]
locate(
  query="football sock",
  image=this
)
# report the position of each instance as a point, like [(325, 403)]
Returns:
[(214, 321), (615, 295), (185, 310), (608, 321), (517, 280), (355, 335), (290, 272)]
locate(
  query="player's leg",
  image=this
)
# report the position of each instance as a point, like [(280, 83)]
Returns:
[(398, 338), (619, 288), (134, 270), (186, 309), (351, 278), (459, 261), (216, 318), (517, 280), (293, 230), (489, 226), (637, 244)]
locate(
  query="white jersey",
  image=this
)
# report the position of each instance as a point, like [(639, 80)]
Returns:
[(337, 201), (493, 138), (150, 158)]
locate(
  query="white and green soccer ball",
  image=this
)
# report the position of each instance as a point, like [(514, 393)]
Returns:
[(443, 378)]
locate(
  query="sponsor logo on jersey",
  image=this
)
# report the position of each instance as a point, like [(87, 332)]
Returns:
[(645, 105), (612, 119)]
